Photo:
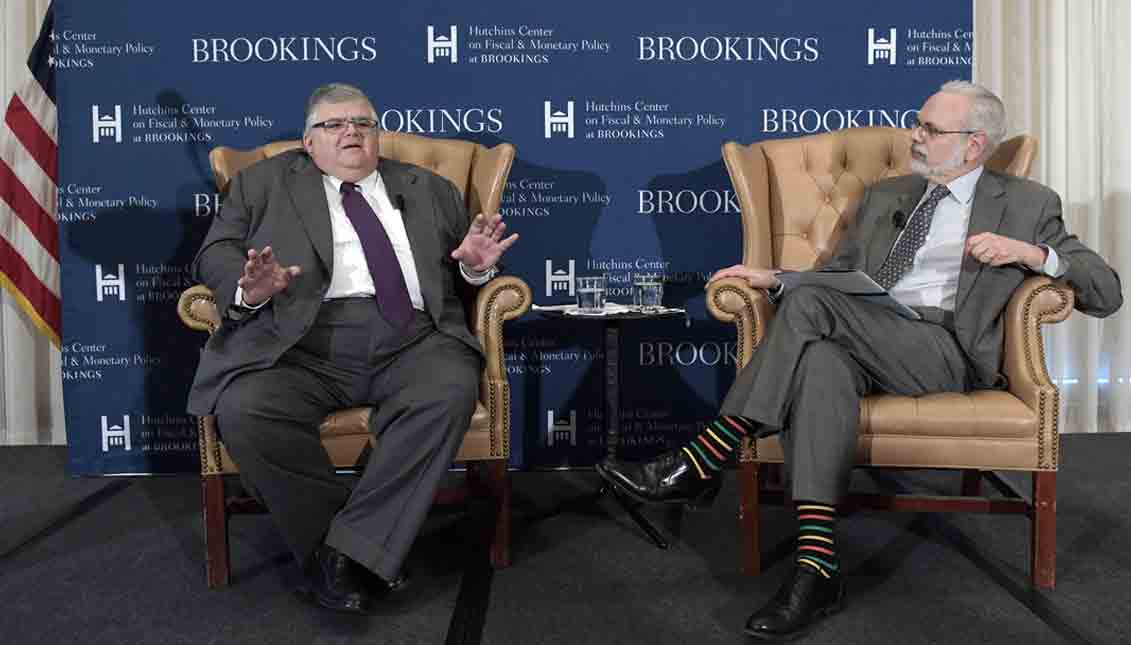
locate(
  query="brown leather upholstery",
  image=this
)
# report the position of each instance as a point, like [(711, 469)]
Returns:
[(798, 196), (480, 173)]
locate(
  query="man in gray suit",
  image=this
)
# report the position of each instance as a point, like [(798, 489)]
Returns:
[(953, 241), (337, 274)]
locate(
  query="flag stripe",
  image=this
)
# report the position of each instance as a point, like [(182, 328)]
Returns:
[(26, 170), (46, 307), (37, 142), (42, 265), (41, 106), (41, 224)]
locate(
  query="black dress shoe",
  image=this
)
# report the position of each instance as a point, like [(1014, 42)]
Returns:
[(333, 581), (379, 586), (804, 598), (669, 478)]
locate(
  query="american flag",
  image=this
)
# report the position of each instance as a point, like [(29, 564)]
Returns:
[(29, 232)]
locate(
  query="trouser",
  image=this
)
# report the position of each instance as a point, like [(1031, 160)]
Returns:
[(422, 385), (824, 350)]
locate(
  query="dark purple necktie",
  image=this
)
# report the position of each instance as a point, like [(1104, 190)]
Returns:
[(388, 279)]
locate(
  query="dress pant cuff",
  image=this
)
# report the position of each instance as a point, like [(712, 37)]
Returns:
[(363, 551)]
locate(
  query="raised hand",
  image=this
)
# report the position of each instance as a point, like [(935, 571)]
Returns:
[(996, 250), (264, 277), (757, 278), (483, 245)]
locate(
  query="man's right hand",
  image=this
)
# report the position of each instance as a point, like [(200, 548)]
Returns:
[(757, 278), (263, 277)]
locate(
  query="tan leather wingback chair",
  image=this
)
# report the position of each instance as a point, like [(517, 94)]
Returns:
[(480, 173), (794, 195)]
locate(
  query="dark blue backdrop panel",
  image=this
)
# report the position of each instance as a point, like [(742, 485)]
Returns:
[(618, 115)]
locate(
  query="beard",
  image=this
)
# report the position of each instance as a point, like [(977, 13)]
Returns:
[(920, 167)]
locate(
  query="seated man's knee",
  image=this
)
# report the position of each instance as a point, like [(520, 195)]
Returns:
[(806, 302)]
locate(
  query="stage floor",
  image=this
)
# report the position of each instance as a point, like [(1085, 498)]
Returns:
[(121, 560)]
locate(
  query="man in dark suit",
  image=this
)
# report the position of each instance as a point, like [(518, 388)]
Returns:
[(336, 272), (953, 242)]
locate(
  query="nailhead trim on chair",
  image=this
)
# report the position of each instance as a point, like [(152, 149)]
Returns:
[(188, 310), (1043, 377), (749, 450), (497, 323)]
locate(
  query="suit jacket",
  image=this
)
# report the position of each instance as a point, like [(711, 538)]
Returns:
[(281, 202), (1003, 204)]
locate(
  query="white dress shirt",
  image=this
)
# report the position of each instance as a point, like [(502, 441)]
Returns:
[(932, 280), (350, 276)]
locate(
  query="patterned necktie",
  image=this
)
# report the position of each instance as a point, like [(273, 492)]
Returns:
[(902, 254), (388, 279)]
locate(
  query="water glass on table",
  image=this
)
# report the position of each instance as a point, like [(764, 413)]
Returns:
[(591, 293), (648, 291)]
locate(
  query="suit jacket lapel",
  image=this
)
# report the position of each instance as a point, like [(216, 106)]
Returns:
[(886, 231), (309, 197), (420, 224), (985, 216)]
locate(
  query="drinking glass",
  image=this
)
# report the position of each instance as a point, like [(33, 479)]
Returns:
[(648, 291), (591, 293)]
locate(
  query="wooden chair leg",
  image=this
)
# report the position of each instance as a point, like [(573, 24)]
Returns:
[(500, 483), (749, 514), (971, 483), (217, 554), (1043, 550)]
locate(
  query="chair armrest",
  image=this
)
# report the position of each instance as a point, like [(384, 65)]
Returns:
[(1039, 301), (750, 309), (500, 299), (197, 309)]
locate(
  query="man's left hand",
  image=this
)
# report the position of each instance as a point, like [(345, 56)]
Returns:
[(483, 245), (996, 250)]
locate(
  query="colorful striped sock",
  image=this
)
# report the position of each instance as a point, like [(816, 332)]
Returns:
[(816, 539), (710, 451)]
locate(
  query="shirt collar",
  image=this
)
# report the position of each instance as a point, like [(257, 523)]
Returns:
[(962, 188), (368, 184)]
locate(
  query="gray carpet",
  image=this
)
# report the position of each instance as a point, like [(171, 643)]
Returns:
[(121, 561)]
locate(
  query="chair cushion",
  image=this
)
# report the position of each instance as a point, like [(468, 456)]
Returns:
[(983, 413), (987, 430), (345, 434)]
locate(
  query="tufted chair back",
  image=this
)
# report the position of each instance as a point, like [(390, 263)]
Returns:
[(815, 183), (473, 168)]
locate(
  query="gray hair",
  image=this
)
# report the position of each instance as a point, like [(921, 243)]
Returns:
[(333, 93), (987, 112)]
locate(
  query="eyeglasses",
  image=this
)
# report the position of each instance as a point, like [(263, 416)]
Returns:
[(933, 131), (363, 125)]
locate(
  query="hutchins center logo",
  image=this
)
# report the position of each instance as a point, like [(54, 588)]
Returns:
[(106, 125), (116, 435), (561, 430), (285, 49), (558, 122), (108, 286), (881, 49), (560, 281), (744, 49), (443, 46)]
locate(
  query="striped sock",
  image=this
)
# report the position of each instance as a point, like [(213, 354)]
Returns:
[(710, 451), (816, 540)]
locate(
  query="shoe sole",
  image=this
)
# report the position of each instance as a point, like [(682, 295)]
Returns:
[(817, 618), (309, 596), (698, 503)]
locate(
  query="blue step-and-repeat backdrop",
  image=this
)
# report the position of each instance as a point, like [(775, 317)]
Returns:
[(618, 112)]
